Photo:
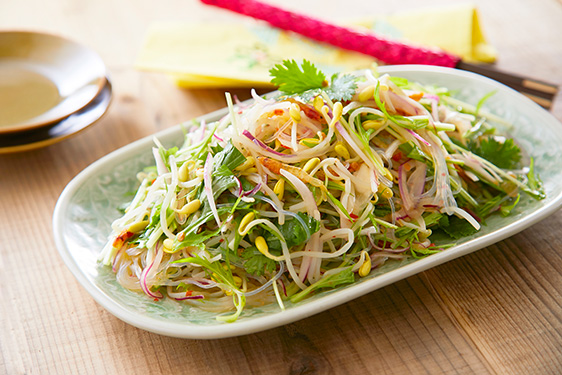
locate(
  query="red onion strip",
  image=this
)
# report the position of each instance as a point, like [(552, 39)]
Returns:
[(263, 145)]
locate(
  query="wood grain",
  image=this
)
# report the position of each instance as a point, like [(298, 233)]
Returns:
[(496, 311)]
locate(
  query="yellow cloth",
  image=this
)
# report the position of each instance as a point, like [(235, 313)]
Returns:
[(240, 55)]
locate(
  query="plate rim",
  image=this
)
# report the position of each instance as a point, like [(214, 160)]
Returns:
[(52, 140), (252, 325)]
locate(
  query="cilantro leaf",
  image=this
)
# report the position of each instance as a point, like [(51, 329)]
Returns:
[(306, 81), (345, 276), (506, 155), (292, 80), (256, 263), (342, 87)]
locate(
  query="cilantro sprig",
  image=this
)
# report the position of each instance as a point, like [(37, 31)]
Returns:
[(307, 81), (506, 154)]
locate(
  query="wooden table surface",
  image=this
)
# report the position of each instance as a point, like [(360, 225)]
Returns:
[(496, 311)]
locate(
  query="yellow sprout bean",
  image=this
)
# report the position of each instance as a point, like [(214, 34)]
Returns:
[(225, 267), (373, 124), (387, 193), (138, 226), (342, 151), (388, 174), (337, 111), (318, 103), (261, 244), (309, 142), (237, 280), (279, 188), (244, 223), (190, 207), (168, 245), (365, 268), (183, 172), (250, 161), (367, 93), (310, 165), (251, 170), (295, 112)]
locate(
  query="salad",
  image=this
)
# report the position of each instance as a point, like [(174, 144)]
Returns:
[(313, 189)]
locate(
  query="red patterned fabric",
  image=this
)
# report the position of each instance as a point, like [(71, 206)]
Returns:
[(385, 50)]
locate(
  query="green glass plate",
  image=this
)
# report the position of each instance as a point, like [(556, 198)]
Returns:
[(89, 204)]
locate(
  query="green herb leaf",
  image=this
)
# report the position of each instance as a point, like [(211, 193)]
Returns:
[(414, 152), (535, 183), (292, 80), (195, 239), (506, 155), (483, 100), (293, 232), (256, 263), (345, 276), (342, 87), (307, 81), (230, 157), (456, 227), (505, 210)]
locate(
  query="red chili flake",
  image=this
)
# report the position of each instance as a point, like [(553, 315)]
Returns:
[(353, 216), (156, 300), (122, 238), (188, 293), (278, 112), (221, 240), (310, 112), (397, 156)]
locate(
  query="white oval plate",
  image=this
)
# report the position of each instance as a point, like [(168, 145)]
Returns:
[(87, 207)]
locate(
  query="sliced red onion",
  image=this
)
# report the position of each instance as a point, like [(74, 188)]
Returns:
[(263, 145), (403, 217), (404, 104), (143, 284), (283, 287), (419, 137), (115, 258), (189, 297), (218, 138)]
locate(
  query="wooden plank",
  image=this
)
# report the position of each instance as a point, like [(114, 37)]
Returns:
[(508, 299), (497, 311)]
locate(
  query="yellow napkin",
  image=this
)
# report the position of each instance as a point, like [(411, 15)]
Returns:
[(240, 55)]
